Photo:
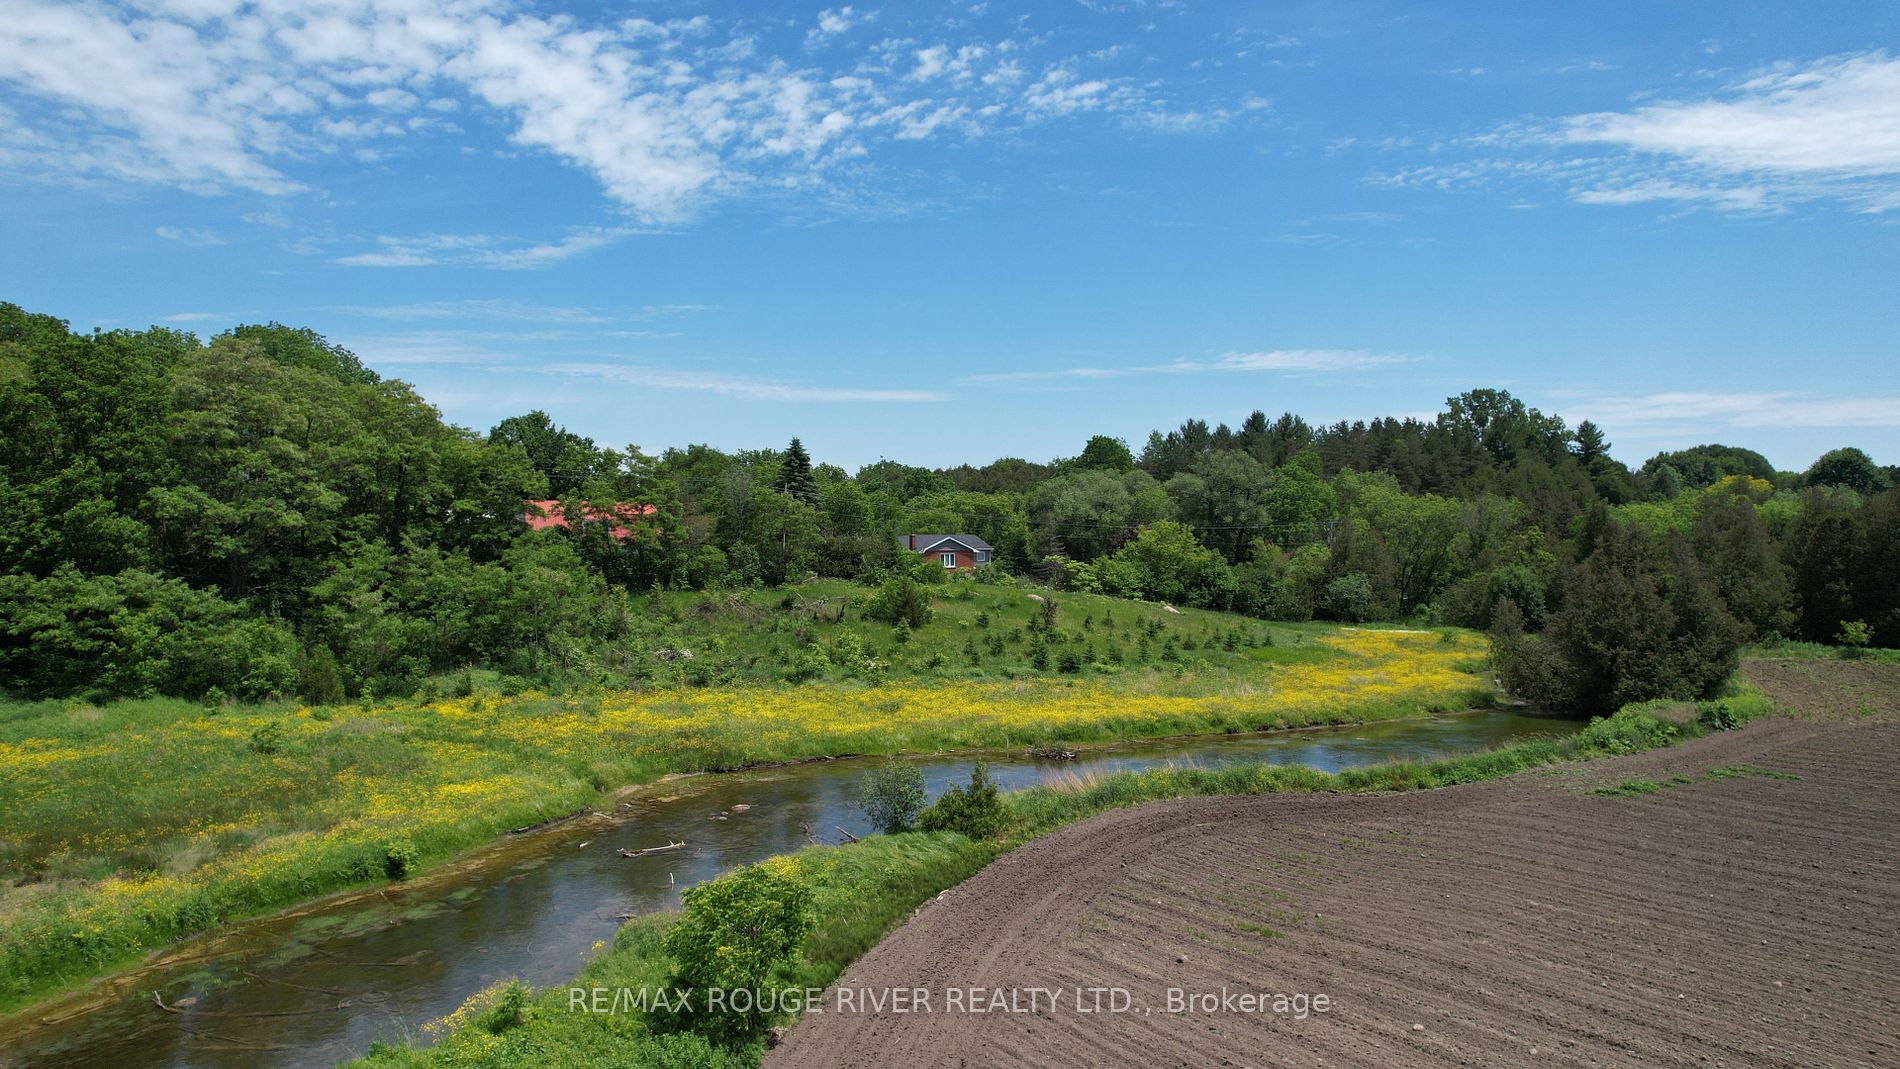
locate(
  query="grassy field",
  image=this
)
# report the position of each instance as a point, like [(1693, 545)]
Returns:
[(865, 889), (976, 632), (129, 826)]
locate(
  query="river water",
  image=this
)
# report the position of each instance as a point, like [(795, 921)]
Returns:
[(317, 987)]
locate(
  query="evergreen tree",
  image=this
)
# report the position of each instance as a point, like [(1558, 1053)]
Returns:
[(794, 475), (1590, 443), (1733, 546)]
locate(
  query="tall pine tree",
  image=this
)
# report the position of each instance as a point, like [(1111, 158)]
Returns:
[(794, 475)]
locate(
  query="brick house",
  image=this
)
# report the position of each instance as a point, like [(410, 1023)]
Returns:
[(956, 552)]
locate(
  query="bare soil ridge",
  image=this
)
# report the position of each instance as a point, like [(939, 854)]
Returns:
[(1735, 919)]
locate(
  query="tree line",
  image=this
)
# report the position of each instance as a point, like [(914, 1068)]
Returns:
[(261, 514)]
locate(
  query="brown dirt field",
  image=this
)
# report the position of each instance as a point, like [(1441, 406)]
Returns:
[(1728, 921), (1828, 689)]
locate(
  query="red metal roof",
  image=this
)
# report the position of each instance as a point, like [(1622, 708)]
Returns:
[(543, 515)]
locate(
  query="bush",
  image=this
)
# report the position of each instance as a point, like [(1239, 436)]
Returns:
[(1853, 638), (734, 933), (318, 680), (808, 663), (975, 812), (509, 1010), (849, 652), (892, 795), (1718, 716), (901, 600), (1627, 731), (1349, 598), (400, 858), (268, 738)]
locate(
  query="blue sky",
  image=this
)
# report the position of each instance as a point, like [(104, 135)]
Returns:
[(946, 233)]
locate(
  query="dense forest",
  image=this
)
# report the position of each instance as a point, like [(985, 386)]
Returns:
[(263, 515)]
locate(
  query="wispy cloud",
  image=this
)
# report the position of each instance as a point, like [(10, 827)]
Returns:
[(748, 389), (189, 235), (486, 309), (1822, 130), (195, 317), (665, 115), (505, 309), (1295, 361), (1669, 412), (482, 250), (1837, 116)]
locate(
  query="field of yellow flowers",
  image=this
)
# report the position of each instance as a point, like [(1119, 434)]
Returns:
[(127, 827)]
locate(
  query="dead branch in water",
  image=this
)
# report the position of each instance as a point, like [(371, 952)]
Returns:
[(650, 850), (848, 837)]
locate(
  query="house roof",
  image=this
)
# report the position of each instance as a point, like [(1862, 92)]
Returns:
[(542, 515), (927, 542)]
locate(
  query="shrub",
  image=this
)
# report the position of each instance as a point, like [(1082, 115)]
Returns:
[(400, 858), (318, 680), (1718, 716), (268, 738), (892, 795), (1853, 638), (734, 933), (901, 600), (975, 812), (1349, 598), (1628, 731), (808, 663), (510, 1009)]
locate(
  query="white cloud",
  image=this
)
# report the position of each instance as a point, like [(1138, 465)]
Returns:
[(1829, 129), (1309, 361), (190, 235), (159, 103), (1823, 130), (665, 115), (195, 317), (1733, 198), (503, 309), (735, 386), (837, 20), (482, 250), (1671, 411), (1298, 360), (1840, 116)]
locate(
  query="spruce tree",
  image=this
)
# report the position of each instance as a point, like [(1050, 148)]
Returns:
[(794, 475)]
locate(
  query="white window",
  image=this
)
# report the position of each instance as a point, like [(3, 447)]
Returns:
[(982, 556), (949, 559)]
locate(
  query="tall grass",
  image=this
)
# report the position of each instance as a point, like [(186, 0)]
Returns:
[(129, 826)]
